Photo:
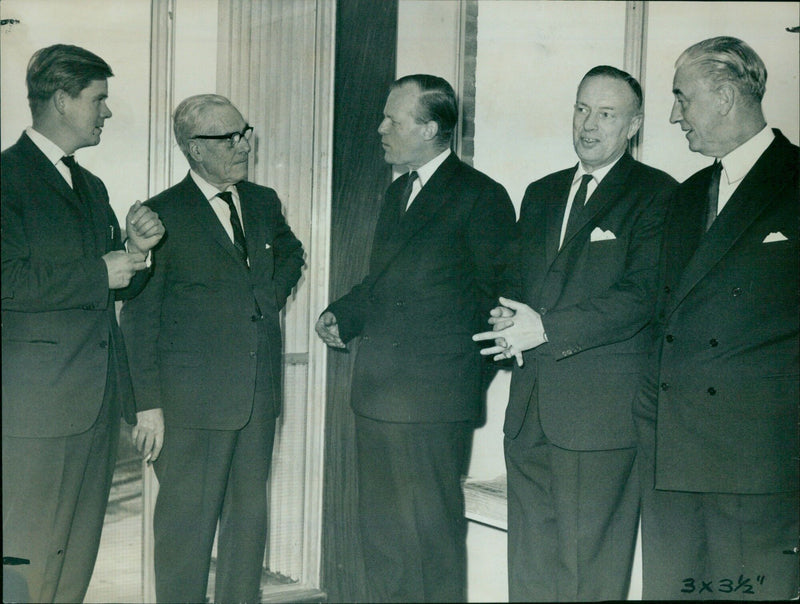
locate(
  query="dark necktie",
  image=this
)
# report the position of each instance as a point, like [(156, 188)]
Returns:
[(412, 176), (713, 194), (238, 233), (78, 184), (577, 206)]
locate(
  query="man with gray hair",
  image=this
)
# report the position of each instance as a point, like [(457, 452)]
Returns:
[(718, 417), (205, 354)]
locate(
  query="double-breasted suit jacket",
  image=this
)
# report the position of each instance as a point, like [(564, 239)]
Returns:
[(60, 334), (596, 296), (431, 283), (727, 321), (193, 333)]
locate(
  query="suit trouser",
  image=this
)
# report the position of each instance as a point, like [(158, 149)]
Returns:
[(715, 545), (411, 509), (210, 477), (55, 492), (572, 519)]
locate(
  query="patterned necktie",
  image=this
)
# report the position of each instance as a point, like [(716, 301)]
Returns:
[(713, 194), (578, 205), (238, 233), (406, 195)]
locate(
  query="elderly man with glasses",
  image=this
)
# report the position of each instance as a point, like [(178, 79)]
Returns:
[(205, 354)]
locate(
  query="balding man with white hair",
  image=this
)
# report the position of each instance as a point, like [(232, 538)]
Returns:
[(205, 354)]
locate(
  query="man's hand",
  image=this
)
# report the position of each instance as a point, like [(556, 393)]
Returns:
[(122, 266), (143, 227), (327, 328), (148, 433), (517, 328)]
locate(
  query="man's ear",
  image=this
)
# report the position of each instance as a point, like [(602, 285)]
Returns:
[(59, 100), (194, 150), (633, 127), (726, 97), (431, 130)]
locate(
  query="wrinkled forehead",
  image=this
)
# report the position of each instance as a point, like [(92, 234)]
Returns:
[(222, 118)]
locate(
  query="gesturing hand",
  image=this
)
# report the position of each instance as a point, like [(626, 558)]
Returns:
[(143, 227), (516, 328)]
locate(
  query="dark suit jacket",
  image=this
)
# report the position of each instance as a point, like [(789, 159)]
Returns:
[(596, 297), (192, 334), (432, 280), (728, 320), (59, 325)]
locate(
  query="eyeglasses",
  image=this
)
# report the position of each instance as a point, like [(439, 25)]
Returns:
[(233, 138)]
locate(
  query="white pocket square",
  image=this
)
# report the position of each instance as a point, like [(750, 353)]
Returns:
[(599, 234), (774, 237), (267, 246)]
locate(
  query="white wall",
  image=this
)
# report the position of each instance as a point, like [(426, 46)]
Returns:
[(674, 27), (117, 31)]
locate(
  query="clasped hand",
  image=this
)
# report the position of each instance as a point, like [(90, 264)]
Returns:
[(516, 327), (143, 227)]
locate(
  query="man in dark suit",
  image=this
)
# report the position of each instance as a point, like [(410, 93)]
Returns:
[(204, 343), (581, 289), (417, 381), (719, 418), (65, 373)]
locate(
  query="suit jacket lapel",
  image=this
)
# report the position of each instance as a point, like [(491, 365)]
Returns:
[(556, 206), (609, 190), (51, 177), (745, 205), (390, 236), (205, 215)]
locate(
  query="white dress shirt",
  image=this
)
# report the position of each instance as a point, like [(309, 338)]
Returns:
[(597, 177), (220, 206), (51, 151), (424, 174), (737, 163)]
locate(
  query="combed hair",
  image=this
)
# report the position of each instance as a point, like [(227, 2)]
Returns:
[(727, 59), (437, 102), (187, 116), (617, 74), (62, 67)]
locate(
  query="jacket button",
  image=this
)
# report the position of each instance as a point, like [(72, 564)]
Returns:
[(87, 307), (543, 310), (667, 289), (252, 354), (103, 344), (737, 291), (713, 342), (395, 344), (664, 386), (670, 338), (712, 391), (399, 304)]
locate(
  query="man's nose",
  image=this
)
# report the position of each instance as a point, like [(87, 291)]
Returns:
[(675, 115)]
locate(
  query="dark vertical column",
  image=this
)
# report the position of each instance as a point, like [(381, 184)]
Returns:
[(366, 42)]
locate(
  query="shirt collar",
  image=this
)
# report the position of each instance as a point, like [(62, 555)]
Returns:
[(599, 174), (737, 163), (51, 151), (426, 171), (209, 190)]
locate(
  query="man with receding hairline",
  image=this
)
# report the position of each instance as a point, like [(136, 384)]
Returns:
[(579, 294), (65, 373), (718, 417), (205, 347)]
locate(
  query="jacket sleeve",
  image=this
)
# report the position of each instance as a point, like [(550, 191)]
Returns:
[(288, 254)]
